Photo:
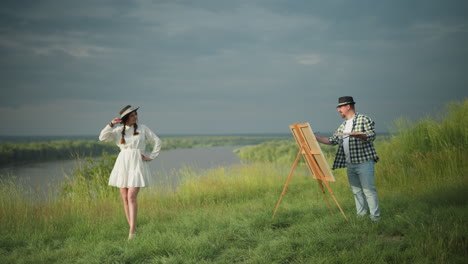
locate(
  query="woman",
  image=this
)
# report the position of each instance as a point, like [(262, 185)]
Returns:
[(130, 171)]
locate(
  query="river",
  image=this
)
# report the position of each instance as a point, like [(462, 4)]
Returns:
[(42, 175)]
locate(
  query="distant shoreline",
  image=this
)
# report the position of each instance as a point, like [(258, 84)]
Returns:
[(37, 148), (25, 139)]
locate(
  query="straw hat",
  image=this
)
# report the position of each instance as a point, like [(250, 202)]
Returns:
[(127, 110)]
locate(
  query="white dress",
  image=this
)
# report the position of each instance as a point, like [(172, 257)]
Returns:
[(130, 170)]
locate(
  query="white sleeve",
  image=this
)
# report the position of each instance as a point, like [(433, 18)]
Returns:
[(107, 134), (156, 142)]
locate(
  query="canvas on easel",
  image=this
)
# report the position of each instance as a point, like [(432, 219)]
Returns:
[(315, 150), (310, 150)]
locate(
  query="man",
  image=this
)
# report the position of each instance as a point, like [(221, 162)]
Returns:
[(357, 154)]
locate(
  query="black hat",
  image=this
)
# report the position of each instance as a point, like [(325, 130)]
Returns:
[(345, 100)]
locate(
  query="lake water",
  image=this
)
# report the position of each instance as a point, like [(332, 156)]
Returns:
[(167, 164)]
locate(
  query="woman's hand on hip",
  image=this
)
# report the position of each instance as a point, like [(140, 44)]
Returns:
[(144, 158)]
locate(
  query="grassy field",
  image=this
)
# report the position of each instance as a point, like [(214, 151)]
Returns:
[(223, 215)]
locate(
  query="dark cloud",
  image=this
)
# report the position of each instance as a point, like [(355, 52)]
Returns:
[(250, 66)]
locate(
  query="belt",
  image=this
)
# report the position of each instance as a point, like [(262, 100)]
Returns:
[(128, 148)]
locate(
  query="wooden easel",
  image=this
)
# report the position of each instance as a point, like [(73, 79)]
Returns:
[(315, 161)]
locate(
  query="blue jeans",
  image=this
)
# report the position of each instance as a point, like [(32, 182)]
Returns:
[(361, 180)]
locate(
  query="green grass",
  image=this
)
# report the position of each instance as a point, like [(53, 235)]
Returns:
[(223, 215)]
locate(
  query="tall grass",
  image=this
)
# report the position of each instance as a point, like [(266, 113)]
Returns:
[(223, 215), (278, 151), (90, 179), (429, 154)]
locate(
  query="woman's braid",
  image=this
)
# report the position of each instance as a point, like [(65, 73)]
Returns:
[(122, 140), (135, 126)]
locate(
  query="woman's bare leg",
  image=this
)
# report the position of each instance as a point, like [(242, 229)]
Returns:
[(132, 207), (124, 194)]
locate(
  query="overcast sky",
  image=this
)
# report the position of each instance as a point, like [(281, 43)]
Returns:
[(226, 67)]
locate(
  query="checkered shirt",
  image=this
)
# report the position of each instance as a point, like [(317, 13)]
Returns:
[(359, 150)]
